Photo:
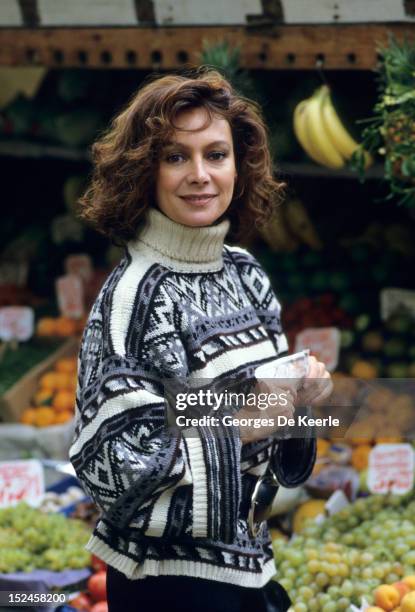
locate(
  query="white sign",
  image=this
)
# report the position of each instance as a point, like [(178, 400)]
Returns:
[(198, 12), (21, 481), (70, 296), (92, 12), (342, 11), (391, 469), (392, 300), (16, 323), (323, 342)]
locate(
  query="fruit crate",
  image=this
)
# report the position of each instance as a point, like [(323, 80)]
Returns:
[(18, 397)]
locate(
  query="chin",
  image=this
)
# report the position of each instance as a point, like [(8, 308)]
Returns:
[(199, 221), (199, 218)]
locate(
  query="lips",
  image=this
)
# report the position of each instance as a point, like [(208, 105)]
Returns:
[(198, 200)]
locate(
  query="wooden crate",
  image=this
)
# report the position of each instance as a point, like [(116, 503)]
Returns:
[(19, 396)]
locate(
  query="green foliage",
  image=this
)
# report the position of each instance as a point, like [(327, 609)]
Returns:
[(226, 60), (391, 130)]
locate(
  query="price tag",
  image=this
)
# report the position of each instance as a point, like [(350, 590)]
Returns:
[(391, 469), (21, 481), (70, 296), (392, 300), (79, 265), (16, 323), (323, 342)]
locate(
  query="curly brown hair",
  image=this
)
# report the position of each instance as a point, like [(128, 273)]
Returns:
[(126, 157)]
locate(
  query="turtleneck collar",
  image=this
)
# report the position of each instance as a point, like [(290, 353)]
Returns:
[(182, 248)]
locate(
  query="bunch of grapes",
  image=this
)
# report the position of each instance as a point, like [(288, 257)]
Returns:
[(30, 539), (331, 565)]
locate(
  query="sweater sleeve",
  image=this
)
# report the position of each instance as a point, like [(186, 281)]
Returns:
[(127, 457), (294, 458)]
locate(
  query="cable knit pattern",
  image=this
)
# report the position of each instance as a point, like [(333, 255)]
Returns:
[(180, 305)]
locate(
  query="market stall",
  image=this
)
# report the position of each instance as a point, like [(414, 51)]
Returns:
[(340, 253)]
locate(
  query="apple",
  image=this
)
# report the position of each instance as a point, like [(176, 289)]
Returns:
[(98, 564), (410, 581), (100, 606), (81, 602), (97, 586), (408, 602), (387, 597), (401, 587)]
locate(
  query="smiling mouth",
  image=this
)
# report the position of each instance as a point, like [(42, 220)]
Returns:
[(198, 199)]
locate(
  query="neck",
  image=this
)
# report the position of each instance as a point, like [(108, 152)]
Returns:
[(181, 247)]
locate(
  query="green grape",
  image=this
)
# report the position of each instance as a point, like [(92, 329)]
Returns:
[(30, 539), (321, 579), (347, 588), (330, 606), (306, 593), (343, 603), (314, 566), (409, 558), (313, 605)]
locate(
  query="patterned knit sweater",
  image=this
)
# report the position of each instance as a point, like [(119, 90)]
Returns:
[(179, 305)]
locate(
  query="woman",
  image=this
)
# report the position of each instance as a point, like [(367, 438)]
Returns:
[(185, 161)]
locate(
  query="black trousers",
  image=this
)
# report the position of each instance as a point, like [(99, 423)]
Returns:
[(186, 594)]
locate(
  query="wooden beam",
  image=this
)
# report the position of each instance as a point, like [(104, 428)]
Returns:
[(266, 47)]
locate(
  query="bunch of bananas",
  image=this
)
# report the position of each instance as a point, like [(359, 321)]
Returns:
[(321, 133)]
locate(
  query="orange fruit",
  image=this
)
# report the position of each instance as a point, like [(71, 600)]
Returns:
[(360, 457), (63, 417), (44, 416), (64, 400), (28, 416), (322, 447), (63, 380), (66, 364), (48, 381), (364, 369), (46, 327), (43, 397), (66, 327)]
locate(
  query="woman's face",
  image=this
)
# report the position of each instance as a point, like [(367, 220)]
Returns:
[(196, 175)]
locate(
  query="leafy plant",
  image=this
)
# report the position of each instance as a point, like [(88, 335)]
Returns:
[(226, 60), (391, 130)]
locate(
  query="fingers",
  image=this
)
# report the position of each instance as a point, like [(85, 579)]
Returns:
[(316, 368), (326, 390)]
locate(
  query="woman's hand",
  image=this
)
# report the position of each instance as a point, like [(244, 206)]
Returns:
[(317, 385), (284, 406)]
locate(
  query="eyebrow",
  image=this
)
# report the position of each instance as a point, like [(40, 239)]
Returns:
[(216, 143)]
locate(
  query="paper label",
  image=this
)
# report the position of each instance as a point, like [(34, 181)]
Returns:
[(391, 469), (323, 342), (21, 481), (70, 296), (79, 265), (16, 323), (392, 300)]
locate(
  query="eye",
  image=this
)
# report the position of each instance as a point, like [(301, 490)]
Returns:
[(217, 155), (173, 158)]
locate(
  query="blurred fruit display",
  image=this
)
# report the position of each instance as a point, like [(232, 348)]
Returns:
[(31, 539), (332, 564)]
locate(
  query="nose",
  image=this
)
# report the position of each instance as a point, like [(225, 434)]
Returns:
[(198, 172)]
